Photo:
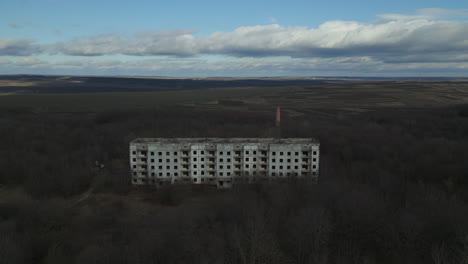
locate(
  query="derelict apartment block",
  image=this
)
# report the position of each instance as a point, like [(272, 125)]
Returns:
[(221, 162)]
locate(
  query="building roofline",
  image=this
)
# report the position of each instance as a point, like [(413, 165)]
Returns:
[(227, 140)]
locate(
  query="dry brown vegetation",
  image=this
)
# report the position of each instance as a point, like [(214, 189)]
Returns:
[(392, 187)]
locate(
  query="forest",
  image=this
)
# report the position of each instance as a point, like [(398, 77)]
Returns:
[(393, 188)]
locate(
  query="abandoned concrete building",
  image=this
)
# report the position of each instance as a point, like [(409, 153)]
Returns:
[(221, 161)]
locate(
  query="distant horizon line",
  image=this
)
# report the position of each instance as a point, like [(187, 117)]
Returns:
[(241, 77)]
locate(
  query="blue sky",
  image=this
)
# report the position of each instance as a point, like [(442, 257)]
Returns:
[(236, 38)]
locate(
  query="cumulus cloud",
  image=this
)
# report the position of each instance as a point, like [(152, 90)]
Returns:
[(393, 38), (387, 39), (18, 47), (359, 66)]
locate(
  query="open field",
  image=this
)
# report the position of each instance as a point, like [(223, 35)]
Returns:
[(326, 96), (89, 102)]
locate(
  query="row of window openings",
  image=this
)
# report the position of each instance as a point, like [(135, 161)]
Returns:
[(227, 167), (254, 152), (281, 153), (227, 160), (152, 153), (228, 174)]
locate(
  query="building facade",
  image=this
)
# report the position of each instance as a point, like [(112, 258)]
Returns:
[(221, 161)]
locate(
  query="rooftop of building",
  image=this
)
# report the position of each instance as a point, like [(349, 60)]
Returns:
[(227, 140)]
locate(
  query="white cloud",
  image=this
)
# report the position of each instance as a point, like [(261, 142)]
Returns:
[(361, 66), (393, 42), (17, 47), (397, 36)]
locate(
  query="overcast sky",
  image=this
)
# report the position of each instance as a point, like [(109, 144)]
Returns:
[(235, 38)]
